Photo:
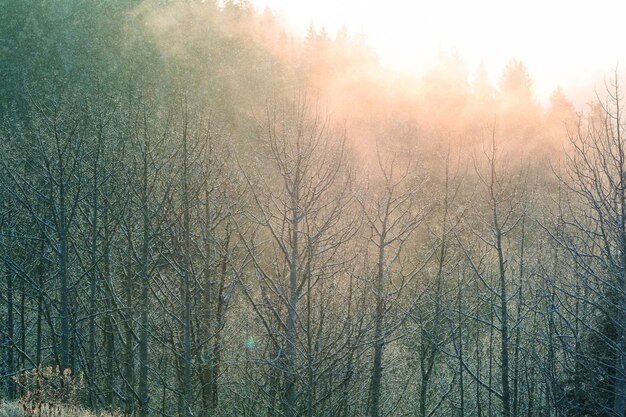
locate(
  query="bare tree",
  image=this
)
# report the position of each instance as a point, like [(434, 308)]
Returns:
[(594, 223), (503, 191), (299, 208), (392, 212), (47, 183)]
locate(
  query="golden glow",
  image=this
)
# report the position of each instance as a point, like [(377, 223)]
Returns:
[(561, 42)]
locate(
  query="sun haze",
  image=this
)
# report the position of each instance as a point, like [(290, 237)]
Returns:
[(561, 42), (312, 208)]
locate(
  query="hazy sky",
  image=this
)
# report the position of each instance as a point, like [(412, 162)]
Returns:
[(572, 43)]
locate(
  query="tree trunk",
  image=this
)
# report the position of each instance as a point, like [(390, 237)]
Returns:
[(186, 307), (290, 350), (504, 331), (64, 280), (145, 289), (108, 335), (93, 287), (129, 368), (379, 340), (10, 342)]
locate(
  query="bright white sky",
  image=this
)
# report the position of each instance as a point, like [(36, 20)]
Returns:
[(573, 43)]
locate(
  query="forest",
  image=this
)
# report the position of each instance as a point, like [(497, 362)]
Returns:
[(204, 214)]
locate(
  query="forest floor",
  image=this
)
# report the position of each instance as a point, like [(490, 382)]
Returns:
[(18, 409)]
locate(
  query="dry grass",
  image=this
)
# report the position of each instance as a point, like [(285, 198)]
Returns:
[(17, 409), (48, 392), (13, 409)]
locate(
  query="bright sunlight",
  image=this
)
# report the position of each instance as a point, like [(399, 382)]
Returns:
[(571, 43)]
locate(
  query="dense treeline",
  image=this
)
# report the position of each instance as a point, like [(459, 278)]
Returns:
[(201, 214)]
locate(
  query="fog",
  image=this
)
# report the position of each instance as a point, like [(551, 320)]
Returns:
[(221, 208)]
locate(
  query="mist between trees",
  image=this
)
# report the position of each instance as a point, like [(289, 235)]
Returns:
[(201, 214)]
